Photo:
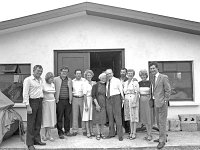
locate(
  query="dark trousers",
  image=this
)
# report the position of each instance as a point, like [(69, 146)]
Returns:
[(34, 122), (63, 109), (161, 118), (113, 107), (125, 124)]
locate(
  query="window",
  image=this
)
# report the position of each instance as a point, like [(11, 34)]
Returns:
[(180, 78), (11, 80)]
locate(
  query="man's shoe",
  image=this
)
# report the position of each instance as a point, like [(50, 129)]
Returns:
[(160, 145), (61, 136), (121, 139), (31, 147), (68, 134), (157, 140), (108, 137), (39, 143)]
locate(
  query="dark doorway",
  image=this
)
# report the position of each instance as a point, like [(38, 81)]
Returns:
[(100, 61)]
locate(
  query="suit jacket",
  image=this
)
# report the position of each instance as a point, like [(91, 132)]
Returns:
[(162, 90), (58, 82)]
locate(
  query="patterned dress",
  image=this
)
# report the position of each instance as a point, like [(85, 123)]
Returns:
[(131, 103), (99, 93), (146, 112)]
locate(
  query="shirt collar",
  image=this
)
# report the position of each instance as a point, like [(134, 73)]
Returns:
[(78, 80), (33, 78), (64, 79), (157, 74)]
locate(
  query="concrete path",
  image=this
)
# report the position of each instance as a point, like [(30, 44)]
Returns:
[(176, 141)]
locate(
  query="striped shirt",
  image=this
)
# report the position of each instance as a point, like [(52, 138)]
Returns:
[(64, 89)]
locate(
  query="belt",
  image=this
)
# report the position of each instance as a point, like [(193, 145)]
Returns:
[(77, 96), (36, 98), (144, 94)]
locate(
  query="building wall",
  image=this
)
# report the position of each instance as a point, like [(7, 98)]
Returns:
[(141, 43)]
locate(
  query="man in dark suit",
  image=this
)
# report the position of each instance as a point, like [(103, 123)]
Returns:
[(161, 91)]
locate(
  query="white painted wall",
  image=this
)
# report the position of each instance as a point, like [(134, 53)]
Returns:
[(142, 44)]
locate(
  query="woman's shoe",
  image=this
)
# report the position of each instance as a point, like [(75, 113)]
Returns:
[(89, 135), (129, 136), (92, 134), (133, 137), (103, 136), (98, 137), (51, 139), (149, 138), (44, 138)]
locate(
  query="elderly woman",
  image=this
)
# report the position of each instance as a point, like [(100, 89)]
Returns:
[(87, 106), (48, 107), (99, 98), (146, 112), (131, 103)]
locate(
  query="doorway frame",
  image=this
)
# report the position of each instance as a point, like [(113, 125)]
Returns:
[(56, 52)]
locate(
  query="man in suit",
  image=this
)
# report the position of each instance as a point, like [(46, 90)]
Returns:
[(63, 95), (161, 91), (115, 97)]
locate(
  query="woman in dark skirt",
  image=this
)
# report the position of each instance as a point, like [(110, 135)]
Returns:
[(99, 111), (146, 112)]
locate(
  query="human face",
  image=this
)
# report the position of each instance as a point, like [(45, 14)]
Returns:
[(103, 79), (143, 77), (78, 75), (130, 75), (64, 73), (123, 73), (89, 76), (50, 80), (109, 74), (153, 70), (37, 72)]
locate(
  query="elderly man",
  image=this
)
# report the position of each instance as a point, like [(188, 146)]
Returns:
[(115, 98), (32, 98), (161, 91)]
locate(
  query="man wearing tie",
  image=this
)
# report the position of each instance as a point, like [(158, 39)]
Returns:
[(161, 91), (115, 98)]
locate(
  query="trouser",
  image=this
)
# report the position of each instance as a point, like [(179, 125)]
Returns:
[(113, 107), (34, 122), (63, 109), (77, 107), (125, 124), (161, 118)]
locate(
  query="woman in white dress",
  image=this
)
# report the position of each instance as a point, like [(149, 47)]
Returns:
[(48, 107), (87, 106), (131, 103)]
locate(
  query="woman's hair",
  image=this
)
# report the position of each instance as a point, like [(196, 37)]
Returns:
[(131, 70), (88, 71), (101, 75), (48, 76), (143, 72)]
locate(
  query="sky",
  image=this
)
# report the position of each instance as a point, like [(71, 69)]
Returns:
[(182, 9)]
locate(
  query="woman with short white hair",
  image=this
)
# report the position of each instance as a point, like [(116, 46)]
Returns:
[(99, 98)]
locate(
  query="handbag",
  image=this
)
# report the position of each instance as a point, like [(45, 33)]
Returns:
[(151, 102)]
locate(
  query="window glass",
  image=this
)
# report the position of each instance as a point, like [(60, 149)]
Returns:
[(180, 78), (11, 80)]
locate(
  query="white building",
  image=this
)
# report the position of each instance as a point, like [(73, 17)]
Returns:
[(95, 36)]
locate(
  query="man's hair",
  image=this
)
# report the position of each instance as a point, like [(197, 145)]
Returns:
[(37, 66), (153, 63), (64, 68), (124, 69), (77, 70)]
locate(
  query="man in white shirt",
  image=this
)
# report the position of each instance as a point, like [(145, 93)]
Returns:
[(77, 101), (32, 98), (115, 98)]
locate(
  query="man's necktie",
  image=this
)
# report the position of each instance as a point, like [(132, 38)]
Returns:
[(108, 91), (154, 80)]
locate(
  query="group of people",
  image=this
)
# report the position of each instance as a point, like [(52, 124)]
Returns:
[(122, 102)]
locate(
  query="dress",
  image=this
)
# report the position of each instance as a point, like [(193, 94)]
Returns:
[(48, 106), (145, 111), (87, 90), (131, 103), (99, 93)]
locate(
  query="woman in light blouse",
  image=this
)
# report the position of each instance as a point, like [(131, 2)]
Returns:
[(87, 106), (131, 103), (48, 107)]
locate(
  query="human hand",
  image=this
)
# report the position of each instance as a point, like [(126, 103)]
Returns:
[(29, 109), (98, 108)]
